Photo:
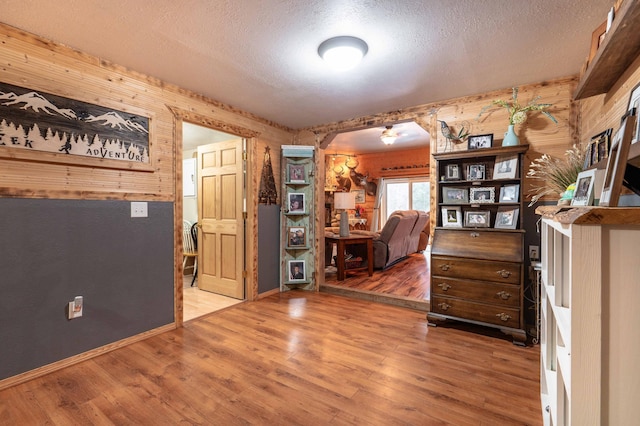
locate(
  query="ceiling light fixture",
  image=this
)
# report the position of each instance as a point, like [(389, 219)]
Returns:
[(388, 136), (343, 52)]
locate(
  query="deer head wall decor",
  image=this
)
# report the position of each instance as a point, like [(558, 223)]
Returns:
[(361, 180)]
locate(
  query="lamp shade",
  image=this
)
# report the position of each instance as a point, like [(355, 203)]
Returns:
[(344, 200)]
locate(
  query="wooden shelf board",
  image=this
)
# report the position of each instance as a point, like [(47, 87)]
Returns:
[(619, 49)]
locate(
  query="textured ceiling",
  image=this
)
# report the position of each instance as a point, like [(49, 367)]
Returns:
[(261, 55)]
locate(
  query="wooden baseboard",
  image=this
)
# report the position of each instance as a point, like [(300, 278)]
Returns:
[(58, 365), (268, 293)]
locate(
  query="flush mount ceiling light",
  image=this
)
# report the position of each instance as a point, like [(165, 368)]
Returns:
[(388, 136), (343, 52)]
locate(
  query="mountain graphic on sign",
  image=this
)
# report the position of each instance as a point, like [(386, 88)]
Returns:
[(37, 102), (114, 120)]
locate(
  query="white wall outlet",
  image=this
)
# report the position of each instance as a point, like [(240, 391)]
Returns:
[(139, 209), (534, 253), (76, 307)]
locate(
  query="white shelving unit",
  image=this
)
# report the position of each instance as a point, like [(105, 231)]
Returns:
[(590, 351)]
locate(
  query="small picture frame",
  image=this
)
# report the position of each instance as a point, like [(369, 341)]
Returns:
[(453, 195), (297, 270), (475, 172), (603, 141), (596, 39), (297, 236), (359, 195), (617, 162), (486, 194), (507, 218), (477, 219), (583, 194), (506, 167), (588, 155), (452, 172), (451, 217), (296, 173), (296, 202), (480, 141), (634, 102), (509, 193)]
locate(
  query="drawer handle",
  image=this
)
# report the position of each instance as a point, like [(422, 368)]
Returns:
[(443, 306), (503, 317), (444, 286), (474, 235), (503, 295), (504, 273), (445, 267)]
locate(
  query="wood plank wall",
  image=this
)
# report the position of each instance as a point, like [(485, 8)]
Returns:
[(33, 62), (542, 135)]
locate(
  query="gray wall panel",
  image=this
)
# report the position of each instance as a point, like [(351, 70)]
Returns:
[(54, 250)]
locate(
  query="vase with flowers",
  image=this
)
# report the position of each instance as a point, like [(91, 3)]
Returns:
[(557, 175), (518, 114)]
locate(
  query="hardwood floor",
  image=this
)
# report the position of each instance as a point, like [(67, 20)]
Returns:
[(404, 284), (295, 358), (197, 303)]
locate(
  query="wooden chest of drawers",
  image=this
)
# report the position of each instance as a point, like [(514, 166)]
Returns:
[(477, 276)]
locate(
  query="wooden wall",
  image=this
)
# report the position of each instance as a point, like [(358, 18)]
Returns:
[(32, 62)]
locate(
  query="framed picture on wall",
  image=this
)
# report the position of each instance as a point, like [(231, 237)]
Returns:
[(296, 173), (296, 270), (359, 195), (297, 236), (296, 202)]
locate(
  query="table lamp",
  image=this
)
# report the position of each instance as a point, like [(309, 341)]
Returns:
[(344, 201)]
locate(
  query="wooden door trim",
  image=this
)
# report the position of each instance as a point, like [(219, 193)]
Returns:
[(251, 236)]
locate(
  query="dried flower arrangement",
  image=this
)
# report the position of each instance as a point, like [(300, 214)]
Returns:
[(557, 174)]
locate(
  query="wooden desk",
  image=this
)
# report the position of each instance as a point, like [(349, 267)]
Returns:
[(342, 243)]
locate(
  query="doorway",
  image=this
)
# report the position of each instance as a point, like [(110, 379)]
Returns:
[(207, 194)]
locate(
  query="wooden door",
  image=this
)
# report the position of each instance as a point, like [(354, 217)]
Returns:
[(220, 218)]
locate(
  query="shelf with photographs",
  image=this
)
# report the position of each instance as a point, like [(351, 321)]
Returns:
[(477, 254), (297, 224)]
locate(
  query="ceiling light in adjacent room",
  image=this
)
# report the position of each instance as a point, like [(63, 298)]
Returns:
[(343, 52), (388, 136)]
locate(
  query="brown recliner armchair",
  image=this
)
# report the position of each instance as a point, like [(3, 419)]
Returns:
[(416, 232), (392, 243)]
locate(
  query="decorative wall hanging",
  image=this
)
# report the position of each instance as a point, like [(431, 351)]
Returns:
[(268, 193), (36, 121)]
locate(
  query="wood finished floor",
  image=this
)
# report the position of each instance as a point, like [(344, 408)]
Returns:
[(405, 283), (197, 303), (295, 358)]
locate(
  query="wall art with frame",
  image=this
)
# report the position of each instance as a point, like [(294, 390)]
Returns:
[(38, 126), (583, 194)]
